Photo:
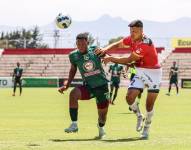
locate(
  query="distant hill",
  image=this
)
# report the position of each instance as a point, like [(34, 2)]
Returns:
[(107, 27)]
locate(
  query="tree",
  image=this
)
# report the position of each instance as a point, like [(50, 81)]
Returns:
[(2, 36), (24, 39), (115, 39)]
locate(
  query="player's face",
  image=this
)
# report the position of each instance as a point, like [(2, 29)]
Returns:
[(82, 45), (18, 64), (136, 33)]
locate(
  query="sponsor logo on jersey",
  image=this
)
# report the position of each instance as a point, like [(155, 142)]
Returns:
[(92, 73), (89, 66)]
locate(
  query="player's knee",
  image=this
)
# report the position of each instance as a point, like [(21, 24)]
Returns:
[(75, 94), (130, 98), (149, 107), (103, 105)]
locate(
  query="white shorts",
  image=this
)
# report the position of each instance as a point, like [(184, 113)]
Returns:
[(150, 78)]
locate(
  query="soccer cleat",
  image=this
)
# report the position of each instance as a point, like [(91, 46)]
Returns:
[(168, 94), (101, 132), (13, 94), (72, 128), (140, 121), (145, 133)]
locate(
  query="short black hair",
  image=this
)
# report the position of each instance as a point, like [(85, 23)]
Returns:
[(136, 23), (82, 36)]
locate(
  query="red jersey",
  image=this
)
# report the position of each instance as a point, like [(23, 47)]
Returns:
[(146, 51)]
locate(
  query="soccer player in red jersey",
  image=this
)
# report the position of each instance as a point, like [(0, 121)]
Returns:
[(148, 69)]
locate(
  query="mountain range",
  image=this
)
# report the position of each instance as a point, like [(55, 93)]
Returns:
[(107, 27)]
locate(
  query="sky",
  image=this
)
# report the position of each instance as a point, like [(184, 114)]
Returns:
[(41, 12)]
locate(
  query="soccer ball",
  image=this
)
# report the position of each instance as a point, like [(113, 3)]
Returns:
[(63, 21)]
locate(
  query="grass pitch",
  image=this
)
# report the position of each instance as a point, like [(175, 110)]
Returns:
[(36, 121)]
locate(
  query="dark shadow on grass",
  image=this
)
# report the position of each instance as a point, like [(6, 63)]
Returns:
[(69, 140), (96, 138), (32, 145), (125, 140), (128, 113)]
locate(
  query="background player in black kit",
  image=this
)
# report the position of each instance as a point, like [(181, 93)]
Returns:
[(17, 74)]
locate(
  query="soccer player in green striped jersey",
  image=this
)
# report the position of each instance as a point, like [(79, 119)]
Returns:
[(95, 83)]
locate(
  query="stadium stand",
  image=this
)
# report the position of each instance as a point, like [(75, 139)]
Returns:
[(47, 62), (183, 58)]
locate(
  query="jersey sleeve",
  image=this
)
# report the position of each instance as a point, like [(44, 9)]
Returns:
[(72, 58)]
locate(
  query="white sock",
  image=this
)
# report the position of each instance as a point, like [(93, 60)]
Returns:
[(148, 117), (135, 108)]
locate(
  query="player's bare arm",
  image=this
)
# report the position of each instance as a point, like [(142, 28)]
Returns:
[(102, 51), (67, 83), (121, 60)]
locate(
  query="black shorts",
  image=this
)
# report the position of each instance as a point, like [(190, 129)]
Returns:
[(18, 81), (115, 84), (173, 80)]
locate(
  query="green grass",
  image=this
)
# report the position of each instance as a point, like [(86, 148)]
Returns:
[(36, 121)]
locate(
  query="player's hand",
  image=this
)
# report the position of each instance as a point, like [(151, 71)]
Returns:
[(107, 59), (63, 88), (100, 51)]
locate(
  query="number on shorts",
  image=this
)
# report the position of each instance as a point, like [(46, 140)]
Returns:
[(132, 82)]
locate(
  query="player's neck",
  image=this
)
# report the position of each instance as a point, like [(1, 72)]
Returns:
[(138, 39), (83, 52)]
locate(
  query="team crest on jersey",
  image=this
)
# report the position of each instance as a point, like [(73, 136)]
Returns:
[(89, 66), (138, 51)]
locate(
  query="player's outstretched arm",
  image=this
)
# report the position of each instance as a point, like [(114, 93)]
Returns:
[(67, 83), (102, 51), (121, 60)]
